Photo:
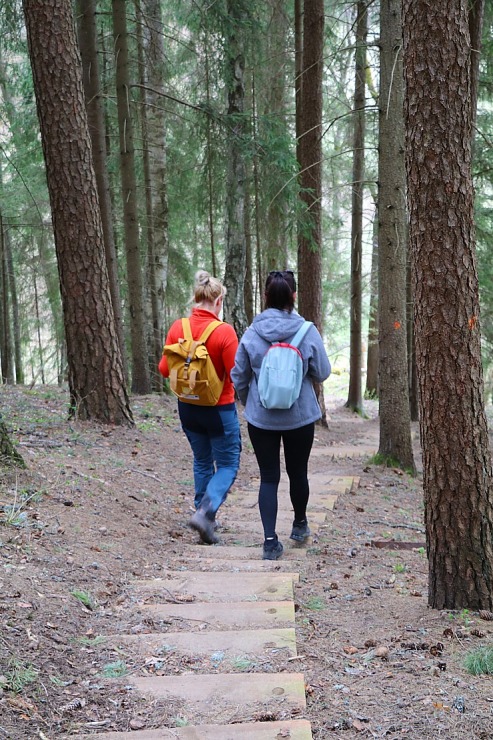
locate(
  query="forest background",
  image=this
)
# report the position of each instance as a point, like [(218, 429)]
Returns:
[(177, 66), (243, 137)]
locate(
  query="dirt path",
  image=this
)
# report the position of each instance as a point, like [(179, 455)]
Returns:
[(94, 547)]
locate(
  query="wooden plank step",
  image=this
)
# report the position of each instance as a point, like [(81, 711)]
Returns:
[(246, 614), (239, 566), (255, 642), (294, 729), (228, 690), (221, 586), (237, 552)]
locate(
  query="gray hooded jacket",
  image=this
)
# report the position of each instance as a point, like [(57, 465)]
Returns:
[(274, 325)]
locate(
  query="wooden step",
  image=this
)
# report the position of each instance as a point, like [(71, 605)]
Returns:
[(294, 729), (229, 690), (230, 643), (231, 615), (220, 586)]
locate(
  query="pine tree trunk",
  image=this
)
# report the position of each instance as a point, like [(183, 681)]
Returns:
[(156, 137), (235, 272), (9, 457), (393, 392), (355, 399), (16, 327), (310, 162), (372, 352), (457, 475), (7, 355), (87, 34), (95, 370), (141, 383)]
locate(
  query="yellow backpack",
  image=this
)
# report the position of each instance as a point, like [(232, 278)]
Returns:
[(193, 377)]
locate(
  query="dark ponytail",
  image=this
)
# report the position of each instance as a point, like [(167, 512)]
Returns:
[(280, 288)]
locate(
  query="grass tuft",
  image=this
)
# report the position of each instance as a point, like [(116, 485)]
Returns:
[(480, 662)]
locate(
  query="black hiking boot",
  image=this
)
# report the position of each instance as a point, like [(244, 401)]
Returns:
[(273, 549), (300, 531)]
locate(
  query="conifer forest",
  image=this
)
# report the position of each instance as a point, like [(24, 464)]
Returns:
[(351, 142)]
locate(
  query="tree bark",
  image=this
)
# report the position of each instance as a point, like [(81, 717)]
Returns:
[(88, 44), (394, 412), (95, 371), (457, 475), (141, 383), (355, 399), (9, 457), (235, 271), (154, 55)]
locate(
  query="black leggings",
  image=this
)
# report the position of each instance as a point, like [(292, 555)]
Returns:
[(297, 445)]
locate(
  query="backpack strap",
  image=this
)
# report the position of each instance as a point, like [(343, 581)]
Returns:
[(208, 330), (295, 341)]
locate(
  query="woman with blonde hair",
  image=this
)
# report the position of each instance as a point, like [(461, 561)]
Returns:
[(212, 431)]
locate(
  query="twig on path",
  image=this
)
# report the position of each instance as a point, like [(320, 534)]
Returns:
[(399, 526), (85, 475), (142, 472)]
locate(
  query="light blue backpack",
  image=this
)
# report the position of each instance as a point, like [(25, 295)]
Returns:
[(281, 372)]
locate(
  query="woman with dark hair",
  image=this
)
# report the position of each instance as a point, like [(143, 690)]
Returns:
[(295, 427)]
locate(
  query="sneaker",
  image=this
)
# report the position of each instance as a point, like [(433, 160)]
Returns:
[(204, 526), (300, 531), (273, 550)]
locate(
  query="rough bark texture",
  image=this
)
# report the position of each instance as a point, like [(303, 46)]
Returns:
[(9, 457), (87, 33), (156, 136), (140, 371), (310, 162), (355, 399), (95, 371), (235, 271), (456, 461), (394, 412)]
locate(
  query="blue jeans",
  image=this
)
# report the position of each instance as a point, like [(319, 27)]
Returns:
[(214, 436)]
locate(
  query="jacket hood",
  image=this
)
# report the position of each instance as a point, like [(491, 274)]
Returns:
[(275, 325)]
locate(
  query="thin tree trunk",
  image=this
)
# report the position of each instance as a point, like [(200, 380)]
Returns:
[(156, 134), (6, 337), (355, 399), (372, 353), (235, 272), (88, 44), (140, 371), (16, 327), (394, 413)]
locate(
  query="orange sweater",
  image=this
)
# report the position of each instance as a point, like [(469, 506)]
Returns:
[(221, 345)]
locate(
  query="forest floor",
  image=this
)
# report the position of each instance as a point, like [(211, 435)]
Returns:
[(100, 506)]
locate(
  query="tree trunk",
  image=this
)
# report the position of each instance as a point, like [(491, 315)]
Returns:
[(372, 353), (457, 474), (6, 353), (310, 151), (156, 137), (87, 34), (16, 326), (393, 392), (235, 272), (9, 457), (310, 163), (355, 399), (95, 370), (140, 371)]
